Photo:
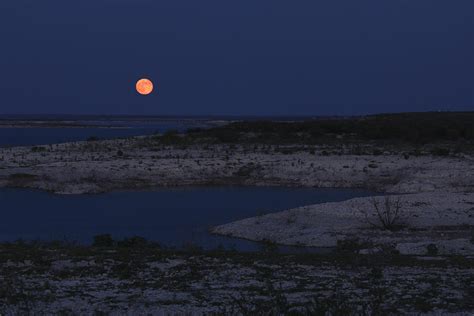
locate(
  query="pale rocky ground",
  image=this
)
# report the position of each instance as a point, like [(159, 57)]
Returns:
[(92, 167), (128, 283), (436, 194), (438, 209), (436, 218)]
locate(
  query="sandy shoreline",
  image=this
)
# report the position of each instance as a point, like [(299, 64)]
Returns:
[(437, 192)]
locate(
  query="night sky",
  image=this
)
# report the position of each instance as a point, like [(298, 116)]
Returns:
[(242, 57)]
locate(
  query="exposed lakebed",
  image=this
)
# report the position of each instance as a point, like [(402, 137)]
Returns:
[(173, 217)]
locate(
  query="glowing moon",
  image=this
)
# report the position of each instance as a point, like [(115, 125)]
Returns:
[(144, 86)]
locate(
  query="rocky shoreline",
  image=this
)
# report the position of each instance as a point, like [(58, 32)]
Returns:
[(436, 192), (134, 163), (421, 265), (430, 223)]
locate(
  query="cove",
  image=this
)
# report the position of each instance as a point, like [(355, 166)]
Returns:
[(173, 217)]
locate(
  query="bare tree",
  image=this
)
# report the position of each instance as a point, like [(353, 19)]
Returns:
[(387, 214)]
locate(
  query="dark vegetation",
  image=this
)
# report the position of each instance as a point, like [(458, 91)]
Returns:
[(21, 179), (412, 128), (127, 260), (346, 253), (92, 139), (385, 215)]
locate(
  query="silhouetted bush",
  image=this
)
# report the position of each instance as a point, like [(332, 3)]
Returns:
[(38, 149), (432, 250), (269, 246), (387, 215), (21, 176), (440, 152), (248, 170), (136, 242), (349, 245), (105, 241), (170, 137), (92, 139), (133, 242)]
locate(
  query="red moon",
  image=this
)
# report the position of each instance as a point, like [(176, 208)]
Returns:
[(144, 86)]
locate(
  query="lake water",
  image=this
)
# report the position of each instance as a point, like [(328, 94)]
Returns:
[(103, 127), (173, 217), (19, 136)]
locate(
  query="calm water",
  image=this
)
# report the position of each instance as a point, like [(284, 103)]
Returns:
[(46, 135), (124, 126), (172, 217)]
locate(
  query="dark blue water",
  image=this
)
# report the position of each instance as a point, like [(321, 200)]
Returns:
[(172, 217), (47, 135)]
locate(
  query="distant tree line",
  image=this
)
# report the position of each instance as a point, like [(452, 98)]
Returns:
[(417, 128)]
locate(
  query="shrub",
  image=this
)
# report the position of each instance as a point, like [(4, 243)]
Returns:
[(192, 247), (103, 241), (269, 246), (171, 137), (92, 139), (440, 151), (21, 179), (248, 170), (387, 215), (38, 149), (432, 250), (352, 245), (21, 176), (133, 242), (227, 136)]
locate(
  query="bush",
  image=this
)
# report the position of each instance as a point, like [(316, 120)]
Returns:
[(248, 170), (440, 152), (432, 250), (133, 242), (171, 137), (387, 215), (227, 136), (38, 149), (103, 241), (92, 139), (269, 246), (349, 245), (21, 176)]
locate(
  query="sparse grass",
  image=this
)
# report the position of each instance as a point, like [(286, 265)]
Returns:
[(128, 269)]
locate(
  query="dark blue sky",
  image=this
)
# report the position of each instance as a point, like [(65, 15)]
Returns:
[(245, 57)]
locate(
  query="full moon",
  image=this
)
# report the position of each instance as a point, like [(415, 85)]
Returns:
[(144, 86)]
